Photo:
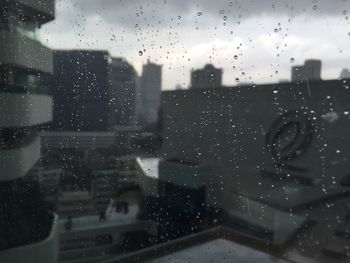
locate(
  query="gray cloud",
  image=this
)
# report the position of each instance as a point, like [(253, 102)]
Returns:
[(162, 12)]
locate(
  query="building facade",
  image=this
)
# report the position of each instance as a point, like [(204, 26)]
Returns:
[(81, 89), (123, 92), (28, 231), (206, 78), (311, 70), (230, 134), (150, 89)]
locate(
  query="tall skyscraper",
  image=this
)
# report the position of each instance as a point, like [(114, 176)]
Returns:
[(81, 90), (123, 92), (28, 230), (150, 85), (206, 78), (311, 70)]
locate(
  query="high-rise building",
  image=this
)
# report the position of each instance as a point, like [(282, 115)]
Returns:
[(123, 92), (150, 85), (311, 70), (28, 230), (206, 78), (345, 73), (81, 89)]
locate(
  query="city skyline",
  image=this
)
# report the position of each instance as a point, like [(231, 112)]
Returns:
[(271, 38)]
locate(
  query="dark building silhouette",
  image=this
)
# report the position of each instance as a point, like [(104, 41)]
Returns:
[(208, 77), (311, 70), (123, 93), (81, 89), (150, 89)]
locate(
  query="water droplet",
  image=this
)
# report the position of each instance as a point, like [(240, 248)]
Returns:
[(346, 112), (199, 13), (237, 80), (275, 91), (232, 33), (345, 12), (225, 18), (276, 30), (337, 151), (140, 53), (315, 7), (235, 57), (292, 60), (179, 17)]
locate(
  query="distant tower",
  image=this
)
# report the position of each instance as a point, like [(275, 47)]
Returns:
[(150, 84), (206, 78), (123, 92), (311, 70), (345, 73)]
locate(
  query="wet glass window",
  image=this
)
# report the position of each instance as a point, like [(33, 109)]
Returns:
[(174, 131)]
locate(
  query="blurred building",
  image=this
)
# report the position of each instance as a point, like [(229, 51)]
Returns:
[(88, 239), (123, 93), (206, 78), (104, 184), (150, 89), (75, 203), (311, 70), (49, 179), (28, 230), (82, 91), (345, 73)]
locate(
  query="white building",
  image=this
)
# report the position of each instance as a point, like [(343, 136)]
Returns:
[(28, 230)]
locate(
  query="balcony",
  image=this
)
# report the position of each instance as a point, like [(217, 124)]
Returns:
[(23, 110), (43, 251), (43, 10), (16, 162), (23, 52)]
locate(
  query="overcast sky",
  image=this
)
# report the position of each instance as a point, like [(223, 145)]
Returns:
[(252, 40)]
